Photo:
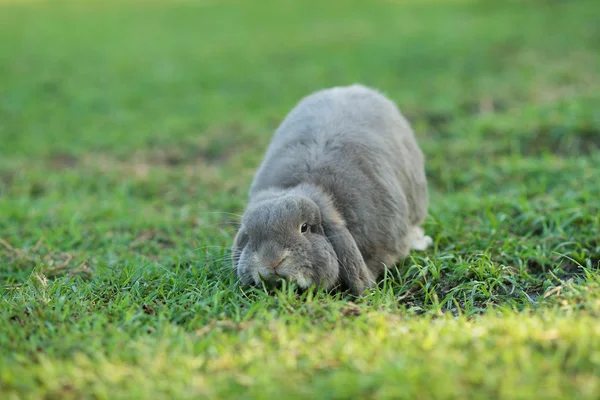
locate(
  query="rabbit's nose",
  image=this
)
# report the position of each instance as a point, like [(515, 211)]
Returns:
[(271, 257), (276, 262)]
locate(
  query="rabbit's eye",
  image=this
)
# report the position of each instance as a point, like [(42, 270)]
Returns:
[(304, 228)]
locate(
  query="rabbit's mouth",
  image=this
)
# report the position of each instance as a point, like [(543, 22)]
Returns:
[(279, 283), (278, 278)]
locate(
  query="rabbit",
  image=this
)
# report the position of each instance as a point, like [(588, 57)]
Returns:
[(340, 195)]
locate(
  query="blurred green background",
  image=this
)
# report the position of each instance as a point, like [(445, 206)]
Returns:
[(129, 135)]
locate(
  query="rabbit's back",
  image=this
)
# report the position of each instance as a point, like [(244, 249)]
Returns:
[(349, 115), (353, 142)]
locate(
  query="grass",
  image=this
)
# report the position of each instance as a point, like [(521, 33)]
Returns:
[(130, 132)]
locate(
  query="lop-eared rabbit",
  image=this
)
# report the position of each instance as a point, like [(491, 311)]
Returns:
[(340, 195)]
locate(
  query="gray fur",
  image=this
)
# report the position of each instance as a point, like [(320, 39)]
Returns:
[(345, 160)]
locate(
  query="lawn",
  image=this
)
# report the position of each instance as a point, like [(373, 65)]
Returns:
[(129, 135)]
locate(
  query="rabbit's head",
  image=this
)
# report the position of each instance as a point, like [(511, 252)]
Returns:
[(288, 235)]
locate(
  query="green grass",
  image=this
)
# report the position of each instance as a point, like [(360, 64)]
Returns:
[(129, 135)]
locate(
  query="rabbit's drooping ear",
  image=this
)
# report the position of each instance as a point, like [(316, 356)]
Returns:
[(240, 241), (354, 273)]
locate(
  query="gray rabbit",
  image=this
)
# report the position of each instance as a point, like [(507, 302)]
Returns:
[(340, 195)]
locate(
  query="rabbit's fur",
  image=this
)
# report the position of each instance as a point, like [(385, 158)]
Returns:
[(346, 162)]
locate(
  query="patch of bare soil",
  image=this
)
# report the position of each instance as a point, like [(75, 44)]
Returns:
[(62, 161), (50, 263)]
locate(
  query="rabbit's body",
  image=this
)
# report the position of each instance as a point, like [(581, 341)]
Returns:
[(351, 152)]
